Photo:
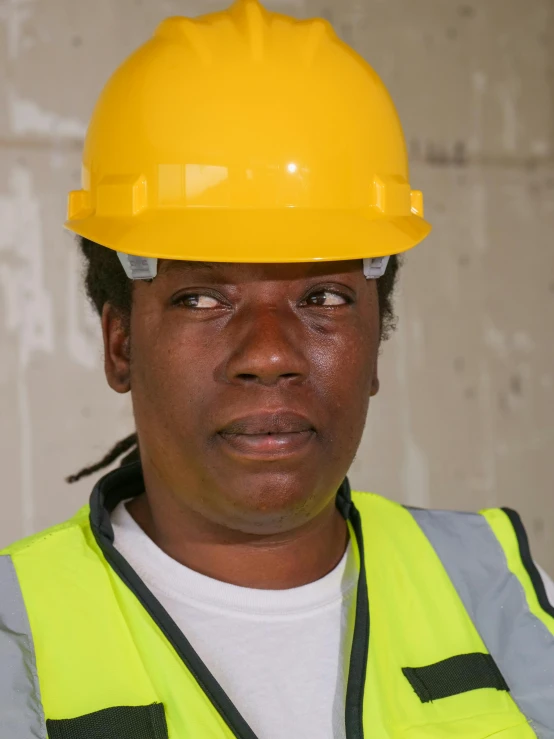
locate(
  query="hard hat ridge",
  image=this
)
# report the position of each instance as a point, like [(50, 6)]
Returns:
[(253, 19), (180, 29), (248, 19)]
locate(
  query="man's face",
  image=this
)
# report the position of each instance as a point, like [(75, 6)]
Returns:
[(250, 385)]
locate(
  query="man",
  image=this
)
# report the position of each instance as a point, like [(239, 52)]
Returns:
[(244, 183)]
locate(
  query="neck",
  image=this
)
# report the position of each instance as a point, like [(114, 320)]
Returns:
[(272, 562)]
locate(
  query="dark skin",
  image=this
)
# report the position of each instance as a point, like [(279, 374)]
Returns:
[(250, 386)]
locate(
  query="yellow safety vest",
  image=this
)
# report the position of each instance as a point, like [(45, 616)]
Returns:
[(452, 633)]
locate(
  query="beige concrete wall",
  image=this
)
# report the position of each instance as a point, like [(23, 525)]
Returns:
[(465, 417)]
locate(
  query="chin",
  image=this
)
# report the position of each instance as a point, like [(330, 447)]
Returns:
[(273, 502)]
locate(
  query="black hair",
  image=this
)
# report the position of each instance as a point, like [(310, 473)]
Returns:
[(106, 282)]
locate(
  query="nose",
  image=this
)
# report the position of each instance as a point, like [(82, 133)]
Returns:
[(267, 348)]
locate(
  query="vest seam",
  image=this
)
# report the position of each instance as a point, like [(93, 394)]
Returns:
[(23, 545), (482, 713)]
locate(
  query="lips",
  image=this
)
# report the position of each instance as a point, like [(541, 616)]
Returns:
[(277, 422), (268, 435)]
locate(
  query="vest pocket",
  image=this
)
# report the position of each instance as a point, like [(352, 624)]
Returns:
[(119, 722)]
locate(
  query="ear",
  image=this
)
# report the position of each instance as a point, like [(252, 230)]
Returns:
[(117, 356), (375, 380)]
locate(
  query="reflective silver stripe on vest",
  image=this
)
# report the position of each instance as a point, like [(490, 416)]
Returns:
[(21, 714), (521, 645)]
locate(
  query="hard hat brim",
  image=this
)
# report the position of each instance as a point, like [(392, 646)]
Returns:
[(255, 236)]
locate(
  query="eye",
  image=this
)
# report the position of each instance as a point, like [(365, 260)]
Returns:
[(197, 301), (327, 299)]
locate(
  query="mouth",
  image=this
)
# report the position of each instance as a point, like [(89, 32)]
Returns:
[(268, 436)]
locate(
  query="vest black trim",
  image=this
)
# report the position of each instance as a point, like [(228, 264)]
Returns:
[(528, 563), (360, 643)]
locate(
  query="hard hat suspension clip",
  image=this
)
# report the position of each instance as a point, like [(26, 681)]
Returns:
[(146, 268)]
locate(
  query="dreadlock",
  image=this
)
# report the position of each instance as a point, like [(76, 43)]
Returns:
[(129, 442), (106, 282)]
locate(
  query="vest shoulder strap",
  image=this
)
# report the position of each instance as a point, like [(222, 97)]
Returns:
[(488, 562)]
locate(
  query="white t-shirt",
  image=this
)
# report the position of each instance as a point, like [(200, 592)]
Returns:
[(280, 655)]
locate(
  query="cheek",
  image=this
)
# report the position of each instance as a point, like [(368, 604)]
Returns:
[(171, 371), (344, 369), (351, 371), (349, 354), (349, 367)]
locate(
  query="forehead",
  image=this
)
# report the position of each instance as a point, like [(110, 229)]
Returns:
[(175, 265), (258, 271)]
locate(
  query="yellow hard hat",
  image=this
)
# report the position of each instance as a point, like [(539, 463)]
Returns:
[(246, 136)]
